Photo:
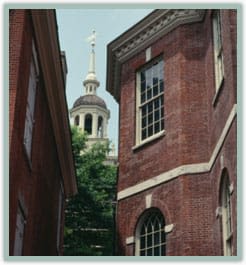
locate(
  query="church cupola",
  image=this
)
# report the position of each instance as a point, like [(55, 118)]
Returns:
[(89, 112)]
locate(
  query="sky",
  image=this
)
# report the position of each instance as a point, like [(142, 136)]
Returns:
[(74, 26)]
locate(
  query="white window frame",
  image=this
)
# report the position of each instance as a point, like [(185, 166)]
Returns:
[(226, 216), (141, 222), (218, 50), (31, 98), (139, 141)]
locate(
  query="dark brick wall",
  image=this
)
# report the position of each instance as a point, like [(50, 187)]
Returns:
[(193, 126), (34, 184)]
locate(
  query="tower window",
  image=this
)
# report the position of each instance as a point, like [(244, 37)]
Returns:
[(76, 120), (88, 123), (150, 101), (150, 234), (100, 127)]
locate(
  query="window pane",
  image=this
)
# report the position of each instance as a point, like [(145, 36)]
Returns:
[(149, 252), (142, 76), (144, 122), (143, 86), (157, 127), (142, 242), (156, 237), (150, 107), (144, 134), (156, 103), (155, 70), (150, 118), (150, 130), (157, 251), (162, 112), (148, 78), (143, 97), (142, 253), (163, 250), (143, 230), (149, 240), (149, 94), (144, 110), (162, 124), (155, 90), (160, 65), (157, 115), (155, 81), (161, 86)]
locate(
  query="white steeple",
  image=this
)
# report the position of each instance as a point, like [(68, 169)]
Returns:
[(91, 83)]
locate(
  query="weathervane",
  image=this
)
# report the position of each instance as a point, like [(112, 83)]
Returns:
[(92, 39)]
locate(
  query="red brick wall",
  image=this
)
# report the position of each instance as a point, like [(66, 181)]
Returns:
[(184, 56), (35, 185), (193, 126)]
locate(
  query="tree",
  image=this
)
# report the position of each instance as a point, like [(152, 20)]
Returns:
[(89, 216)]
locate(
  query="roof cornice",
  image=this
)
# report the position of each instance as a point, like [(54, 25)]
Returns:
[(142, 35)]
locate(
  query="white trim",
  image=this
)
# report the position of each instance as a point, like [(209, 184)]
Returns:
[(218, 212), (231, 188), (148, 200), (169, 228), (184, 169), (148, 54), (149, 139), (130, 240)]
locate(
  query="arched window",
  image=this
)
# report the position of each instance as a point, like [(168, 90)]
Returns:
[(100, 127), (225, 199), (76, 120), (88, 123), (150, 234)]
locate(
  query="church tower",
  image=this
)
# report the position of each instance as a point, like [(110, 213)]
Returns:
[(90, 112)]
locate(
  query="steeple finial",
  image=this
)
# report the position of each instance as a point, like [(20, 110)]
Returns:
[(92, 39), (91, 82)]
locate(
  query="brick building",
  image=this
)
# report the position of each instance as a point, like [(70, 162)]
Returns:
[(41, 172), (174, 76)]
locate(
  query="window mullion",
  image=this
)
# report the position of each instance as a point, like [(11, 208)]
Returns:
[(152, 99)]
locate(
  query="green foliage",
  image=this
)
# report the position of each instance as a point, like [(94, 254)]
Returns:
[(89, 219)]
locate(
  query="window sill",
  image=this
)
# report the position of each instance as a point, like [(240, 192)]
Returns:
[(216, 96), (148, 140)]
